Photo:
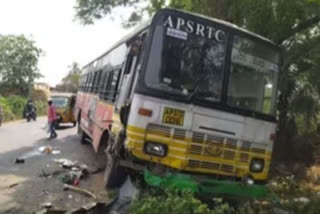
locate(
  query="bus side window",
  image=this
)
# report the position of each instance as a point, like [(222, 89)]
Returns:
[(101, 84), (114, 84), (105, 86), (96, 82), (108, 86), (86, 85), (89, 82), (94, 79)]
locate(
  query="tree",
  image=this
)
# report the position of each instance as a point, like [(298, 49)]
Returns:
[(71, 81), (294, 25), (18, 64)]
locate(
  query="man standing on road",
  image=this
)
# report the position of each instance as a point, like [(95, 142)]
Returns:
[(52, 117)]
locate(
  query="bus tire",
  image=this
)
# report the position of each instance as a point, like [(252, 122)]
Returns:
[(114, 175), (84, 137), (79, 130)]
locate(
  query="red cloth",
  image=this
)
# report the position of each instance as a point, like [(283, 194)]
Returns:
[(52, 115)]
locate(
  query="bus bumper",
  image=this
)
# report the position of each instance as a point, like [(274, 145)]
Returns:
[(206, 187)]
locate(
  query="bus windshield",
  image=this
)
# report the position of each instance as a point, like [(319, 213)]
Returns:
[(194, 67), (187, 66), (253, 76)]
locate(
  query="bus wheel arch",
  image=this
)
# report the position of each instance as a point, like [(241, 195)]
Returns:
[(104, 141)]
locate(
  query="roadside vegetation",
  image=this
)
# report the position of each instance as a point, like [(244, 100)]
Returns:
[(13, 107), (285, 197), (18, 70)]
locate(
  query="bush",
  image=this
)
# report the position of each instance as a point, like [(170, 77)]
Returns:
[(16, 104), (7, 113), (176, 202), (13, 107), (284, 197)]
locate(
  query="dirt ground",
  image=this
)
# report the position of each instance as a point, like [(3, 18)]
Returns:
[(23, 189)]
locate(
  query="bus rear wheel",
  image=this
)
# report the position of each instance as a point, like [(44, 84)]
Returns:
[(84, 138), (114, 175)]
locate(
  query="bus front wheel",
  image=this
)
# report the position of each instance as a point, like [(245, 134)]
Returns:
[(114, 175)]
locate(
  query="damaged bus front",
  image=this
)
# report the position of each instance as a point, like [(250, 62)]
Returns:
[(198, 101)]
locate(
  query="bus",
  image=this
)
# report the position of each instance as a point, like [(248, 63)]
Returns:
[(183, 93)]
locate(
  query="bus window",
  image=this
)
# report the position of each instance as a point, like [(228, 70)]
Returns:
[(105, 85), (253, 76), (178, 65), (114, 85), (87, 83), (108, 86), (101, 83), (96, 82)]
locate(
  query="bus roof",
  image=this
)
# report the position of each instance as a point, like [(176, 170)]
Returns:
[(146, 24)]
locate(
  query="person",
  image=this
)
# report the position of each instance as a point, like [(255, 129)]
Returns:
[(30, 109), (52, 117)]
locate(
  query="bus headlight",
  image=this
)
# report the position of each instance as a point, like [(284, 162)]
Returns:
[(156, 149), (257, 165)]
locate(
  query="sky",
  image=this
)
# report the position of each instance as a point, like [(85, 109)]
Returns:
[(51, 24)]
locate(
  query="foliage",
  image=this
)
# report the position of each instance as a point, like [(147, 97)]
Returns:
[(16, 104), (286, 199), (175, 202), (18, 64), (70, 82), (13, 107), (89, 10)]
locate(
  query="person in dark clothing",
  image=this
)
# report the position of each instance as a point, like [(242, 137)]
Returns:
[(30, 110)]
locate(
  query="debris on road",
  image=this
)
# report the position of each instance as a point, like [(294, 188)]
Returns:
[(56, 152), (78, 171), (67, 164), (41, 150), (79, 190), (72, 178), (13, 185), (45, 149), (51, 174), (19, 160), (48, 150), (47, 205)]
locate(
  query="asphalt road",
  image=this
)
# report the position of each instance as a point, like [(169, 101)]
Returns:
[(22, 188)]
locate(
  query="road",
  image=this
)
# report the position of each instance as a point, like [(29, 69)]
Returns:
[(23, 189)]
